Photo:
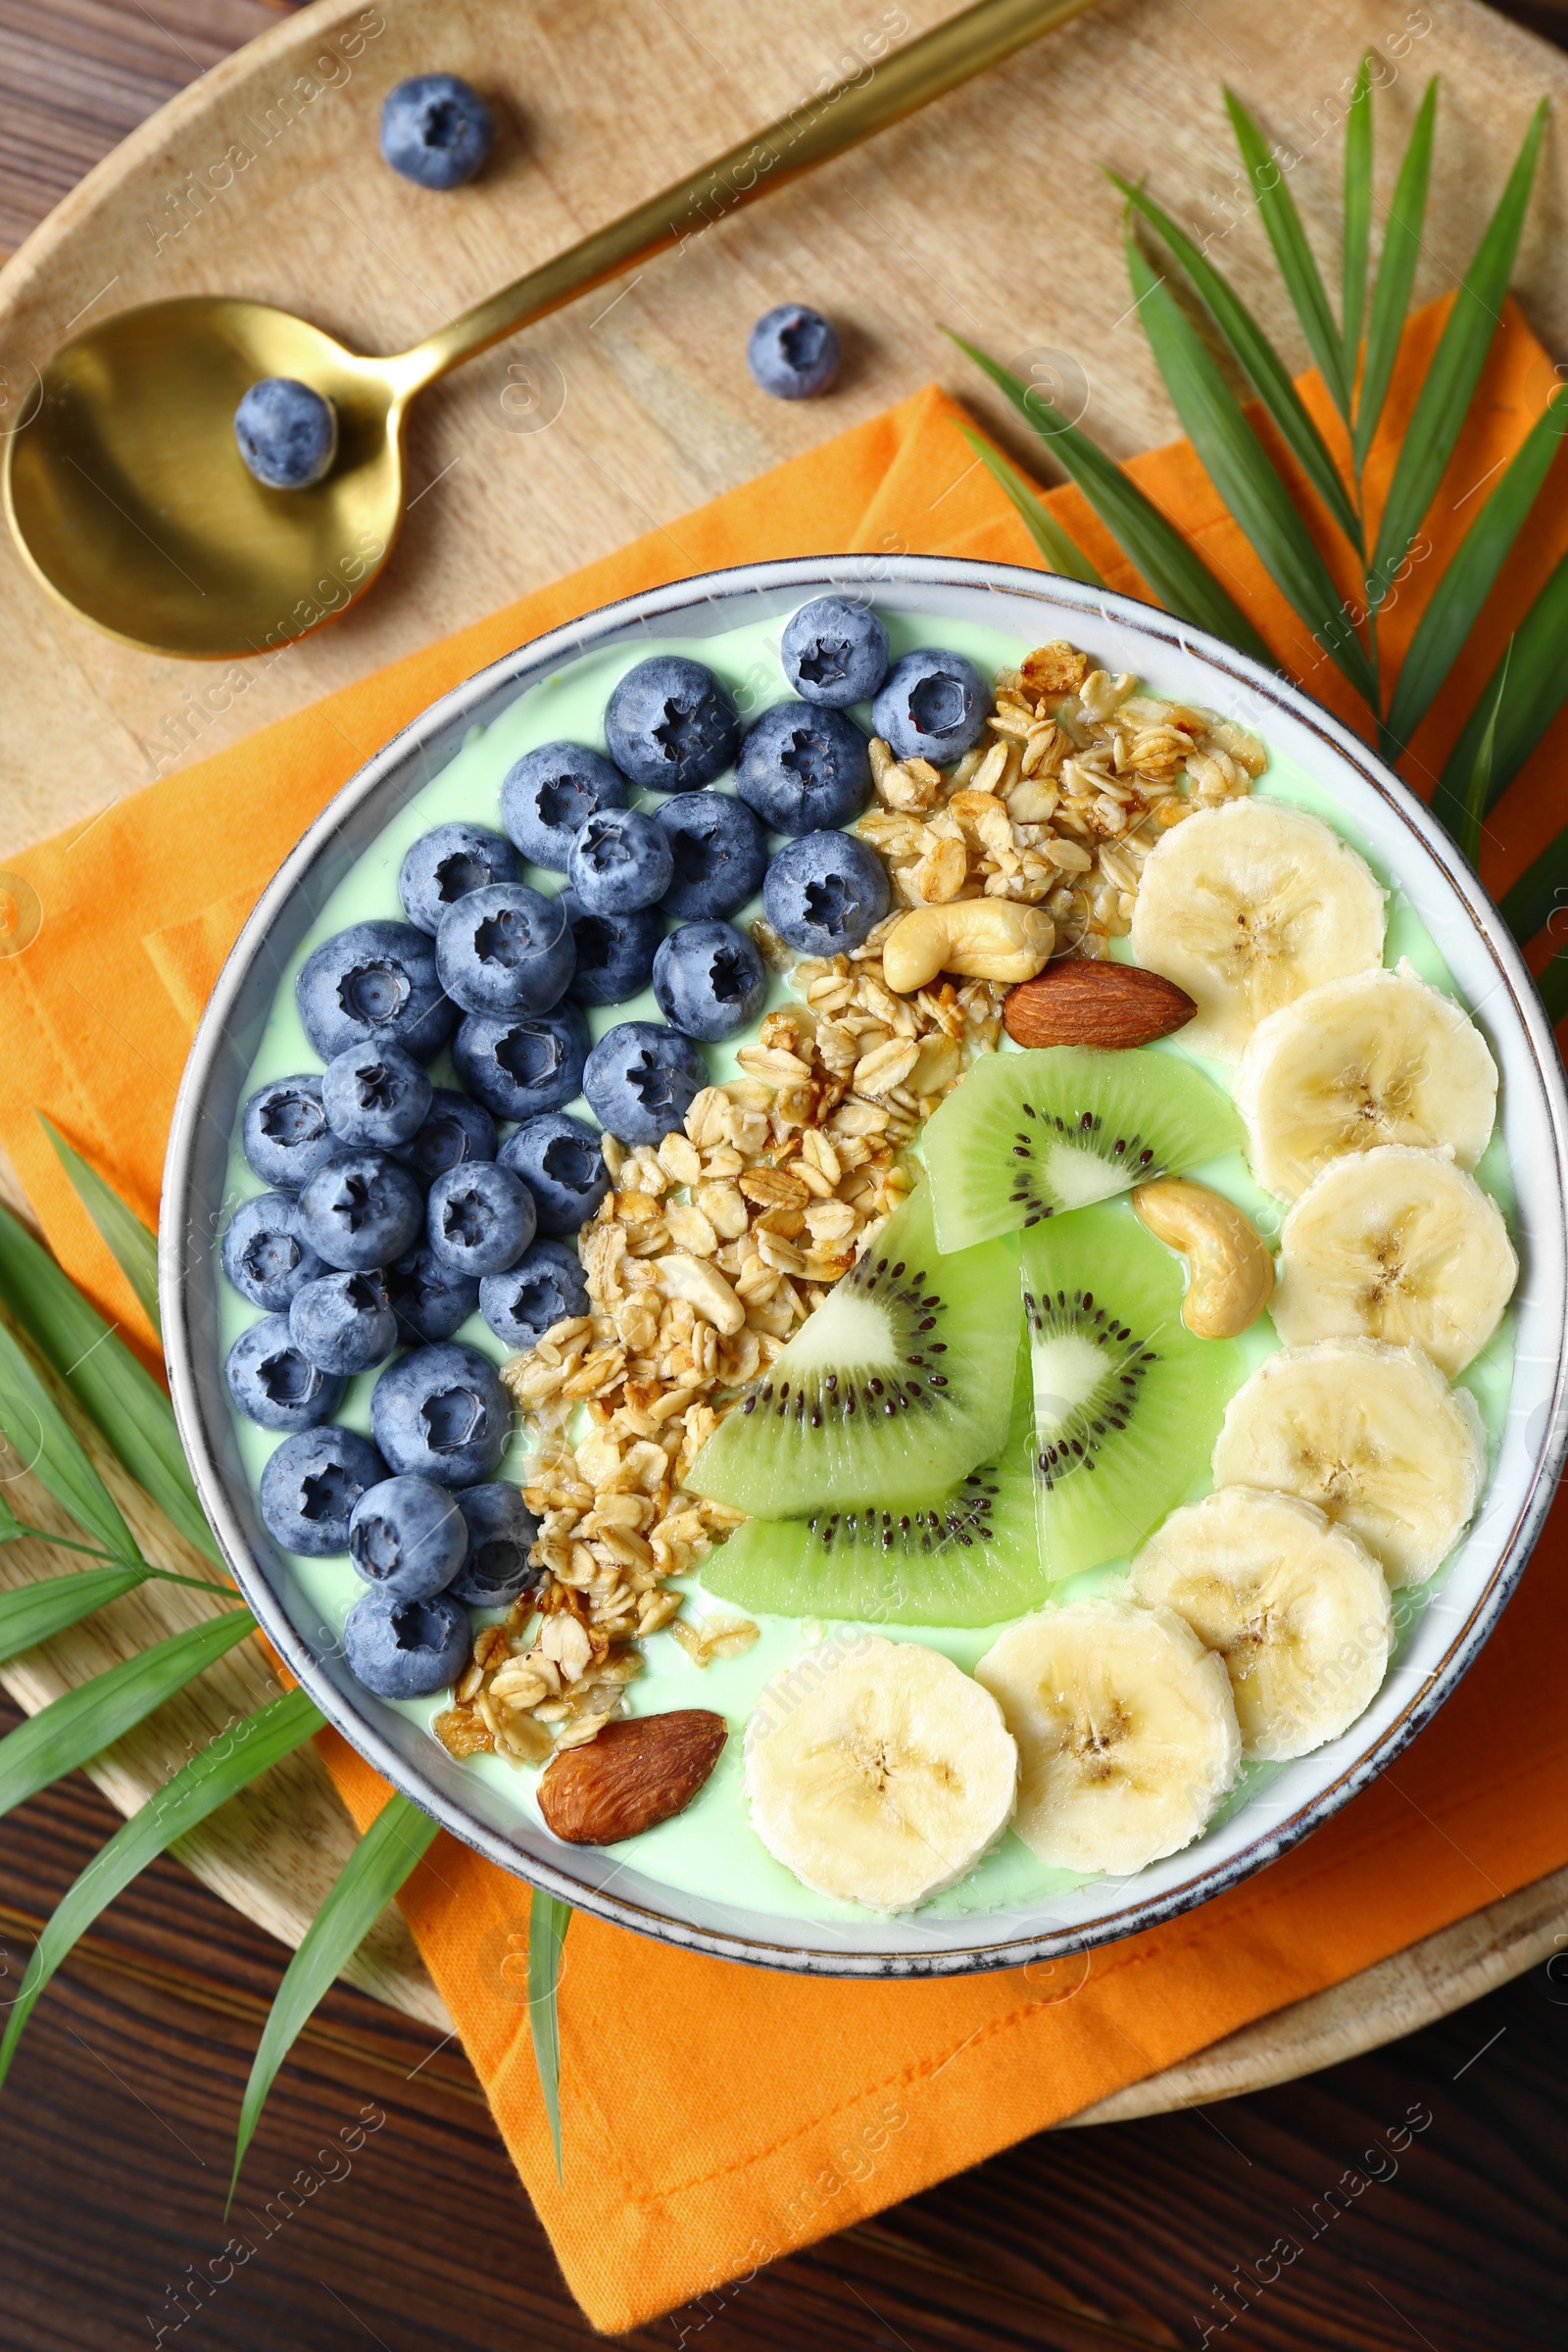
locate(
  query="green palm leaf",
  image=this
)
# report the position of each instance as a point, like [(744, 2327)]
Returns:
[(1444, 397), (1177, 575), (1477, 799), (33, 1613), (1063, 554), (1292, 253), (44, 1441), (548, 1921), (1357, 217), (1235, 461), (207, 1781), (131, 1245), (1256, 358), (1538, 684), (113, 1387), (1471, 577), (385, 1857), (1390, 295), (84, 1721)]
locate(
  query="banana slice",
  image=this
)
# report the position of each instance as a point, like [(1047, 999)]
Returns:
[(1372, 1435), (1246, 907), (1296, 1607), (1379, 1058), (1126, 1731), (878, 1772), (1395, 1244)]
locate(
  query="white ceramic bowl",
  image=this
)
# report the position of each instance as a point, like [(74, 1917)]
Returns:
[(1177, 661)]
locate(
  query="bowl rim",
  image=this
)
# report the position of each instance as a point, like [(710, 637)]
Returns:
[(179, 1250)]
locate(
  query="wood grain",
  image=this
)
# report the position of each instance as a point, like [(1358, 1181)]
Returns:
[(987, 212), (941, 218), (118, 2116)]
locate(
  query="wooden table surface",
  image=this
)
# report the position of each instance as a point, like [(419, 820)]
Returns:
[(116, 2126)]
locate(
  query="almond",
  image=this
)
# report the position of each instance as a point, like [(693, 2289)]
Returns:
[(1079, 1002), (635, 1773)]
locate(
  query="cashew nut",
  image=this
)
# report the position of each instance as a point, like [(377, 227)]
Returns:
[(977, 939), (1230, 1272), (704, 1287)]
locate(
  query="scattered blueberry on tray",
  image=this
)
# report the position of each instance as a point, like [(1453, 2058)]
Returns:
[(396, 1208), (436, 130), (286, 433), (793, 352)]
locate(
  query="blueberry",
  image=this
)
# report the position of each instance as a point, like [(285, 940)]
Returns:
[(445, 865), (793, 352), (670, 725), (344, 1323), (455, 1129), (507, 949), (480, 1220), (521, 1066), (620, 861), (311, 1485), (288, 434), (562, 1161), (376, 1097), (264, 1257), (708, 979), (274, 1383), (375, 984), (804, 769), (502, 1531), (834, 652), (550, 795), (641, 1078), (441, 1412), (427, 1299), (361, 1210), (435, 130), (406, 1648), (614, 952), (933, 706), (824, 892), (720, 855), (285, 1133), (408, 1537), (544, 1287)]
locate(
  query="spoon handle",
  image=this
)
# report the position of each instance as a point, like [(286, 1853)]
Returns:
[(818, 127)]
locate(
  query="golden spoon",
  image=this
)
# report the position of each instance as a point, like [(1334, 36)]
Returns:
[(128, 497)]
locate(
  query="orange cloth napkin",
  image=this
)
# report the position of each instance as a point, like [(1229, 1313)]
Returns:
[(715, 2116)]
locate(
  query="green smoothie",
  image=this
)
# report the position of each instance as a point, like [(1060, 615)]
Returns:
[(711, 1849)]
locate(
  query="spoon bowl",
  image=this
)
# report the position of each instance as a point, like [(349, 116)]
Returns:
[(132, 504), (125, 487)]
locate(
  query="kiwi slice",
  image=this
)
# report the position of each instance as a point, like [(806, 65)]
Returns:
[(899, 1382), (1127, 1402), (971, 1558), (1026, 1135)]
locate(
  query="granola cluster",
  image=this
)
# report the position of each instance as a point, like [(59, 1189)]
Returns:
[(1061, 808), (708, 1252)]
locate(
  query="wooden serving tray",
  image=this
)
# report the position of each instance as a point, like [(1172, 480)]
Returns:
[(987, 213)]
